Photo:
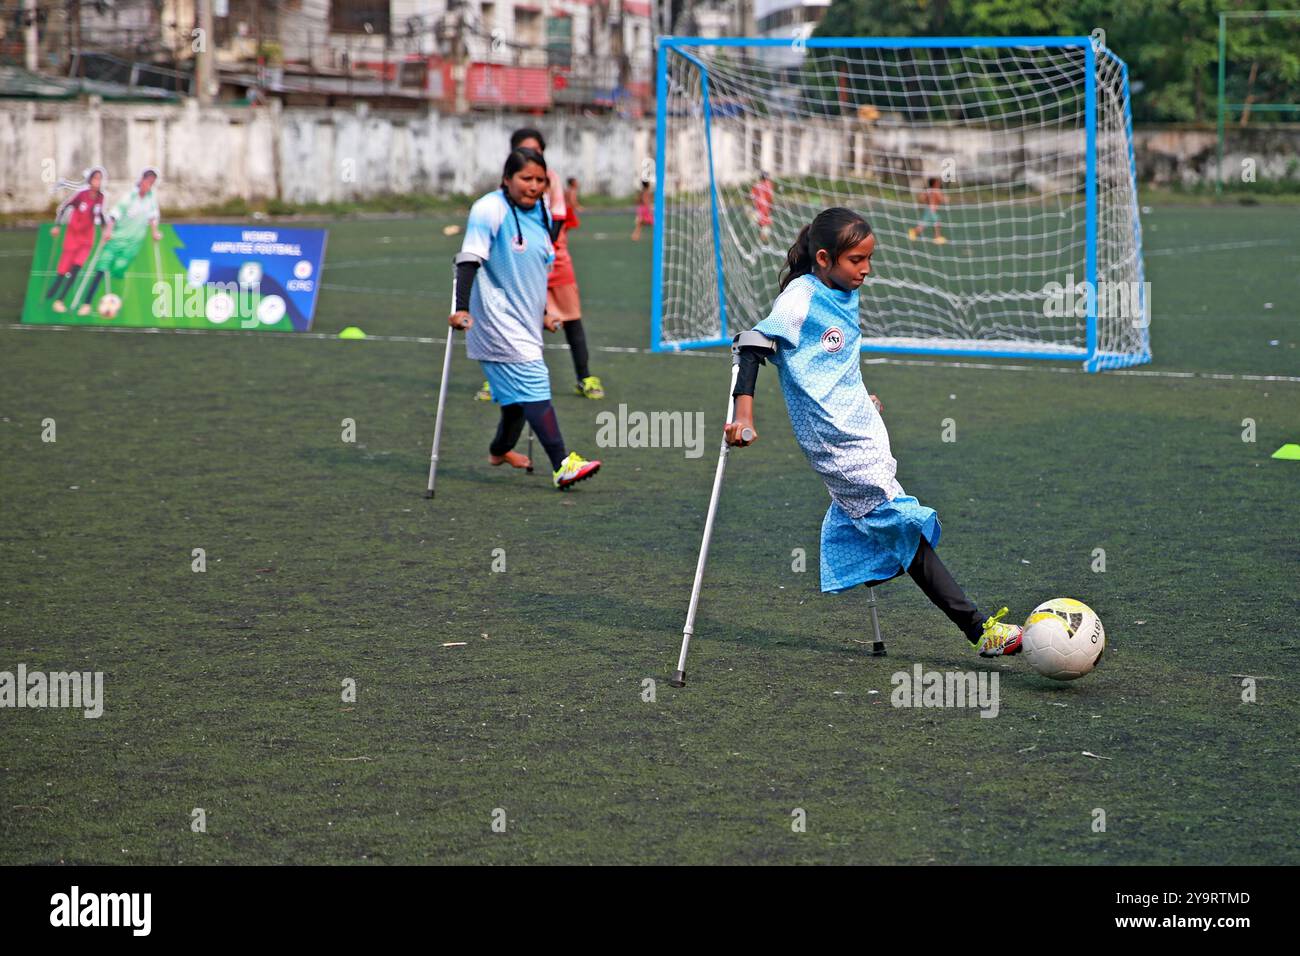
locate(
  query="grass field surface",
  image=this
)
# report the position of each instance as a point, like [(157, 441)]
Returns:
[(223, 690)]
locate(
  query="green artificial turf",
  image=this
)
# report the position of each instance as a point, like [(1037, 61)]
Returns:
[(223, 689)]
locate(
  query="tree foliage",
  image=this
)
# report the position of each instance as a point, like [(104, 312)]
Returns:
[(1170, 46)]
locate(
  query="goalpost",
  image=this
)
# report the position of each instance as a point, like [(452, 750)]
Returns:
[(1039, 251)]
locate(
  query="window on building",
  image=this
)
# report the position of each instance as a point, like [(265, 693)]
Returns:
[(559, 41), (351, 16), (528, 26)]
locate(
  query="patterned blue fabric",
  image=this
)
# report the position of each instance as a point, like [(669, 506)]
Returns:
[(509, 294), (876, 547), (872, 529), (834, 420), (518, 381)]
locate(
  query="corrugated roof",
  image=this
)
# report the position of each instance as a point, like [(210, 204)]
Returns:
[(16, 83)]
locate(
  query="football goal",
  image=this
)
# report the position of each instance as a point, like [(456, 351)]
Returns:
[(997, 173)]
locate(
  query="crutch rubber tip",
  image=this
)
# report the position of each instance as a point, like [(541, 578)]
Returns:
[(878, 649), (678, 679), (428, 494), (529, 469)]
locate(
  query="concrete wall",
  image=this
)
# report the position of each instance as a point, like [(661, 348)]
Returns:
[(299, 155), (313, 155)]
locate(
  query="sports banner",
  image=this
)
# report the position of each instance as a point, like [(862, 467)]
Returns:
[(195, 277)]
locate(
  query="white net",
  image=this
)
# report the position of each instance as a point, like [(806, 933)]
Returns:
[(1002, 129)]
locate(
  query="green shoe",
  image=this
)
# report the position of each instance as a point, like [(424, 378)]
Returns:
[(484, 394), (590, 387)]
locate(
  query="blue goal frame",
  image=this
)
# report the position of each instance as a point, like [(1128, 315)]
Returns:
[(1093, 359)]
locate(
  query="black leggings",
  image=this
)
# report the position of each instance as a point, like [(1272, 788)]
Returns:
[(94, 285), (577, 339), (933, 578), (541, 415), (69, 277)]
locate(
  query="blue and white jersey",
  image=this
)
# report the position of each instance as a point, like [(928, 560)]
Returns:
[(836, 424), (509, 295)]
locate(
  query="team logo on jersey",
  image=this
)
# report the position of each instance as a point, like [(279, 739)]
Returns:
[(832, 340)]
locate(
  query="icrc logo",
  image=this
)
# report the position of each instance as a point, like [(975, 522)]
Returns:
[(833, 339)]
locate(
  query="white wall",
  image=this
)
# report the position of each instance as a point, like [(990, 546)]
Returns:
[(207, 156), (210, 155)]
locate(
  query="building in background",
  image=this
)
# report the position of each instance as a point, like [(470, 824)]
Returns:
[(787, 20), (584, 55)]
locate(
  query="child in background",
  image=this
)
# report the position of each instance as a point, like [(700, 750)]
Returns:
[(571, 201), (932, 197), (500, 285), (761, 196), (645, 210), (872, 531)]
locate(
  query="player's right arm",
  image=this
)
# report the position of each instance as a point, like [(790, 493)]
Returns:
[(742, 422), (485, 218), (753, 348), (116, 213), (63, 212)]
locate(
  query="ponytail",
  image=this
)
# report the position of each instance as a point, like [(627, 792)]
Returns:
[(836, 230), (799, 260)]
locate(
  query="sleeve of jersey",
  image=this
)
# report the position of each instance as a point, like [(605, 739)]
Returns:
[(64, 212), (785, 322), (485, 218), (118, 211)]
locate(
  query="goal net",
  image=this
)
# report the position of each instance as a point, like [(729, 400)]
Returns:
[(1028, 244)]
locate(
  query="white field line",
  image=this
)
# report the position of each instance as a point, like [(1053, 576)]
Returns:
[(626, 350), (1216, 247)]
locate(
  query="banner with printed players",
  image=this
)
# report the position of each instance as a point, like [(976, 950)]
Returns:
[(118, 265)]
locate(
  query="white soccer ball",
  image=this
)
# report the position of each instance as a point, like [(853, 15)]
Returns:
[(219, 308), (1063, 639), (109, 306)]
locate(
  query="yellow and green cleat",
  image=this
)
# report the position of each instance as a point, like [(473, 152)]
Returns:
[(484, 394), (999, 639)]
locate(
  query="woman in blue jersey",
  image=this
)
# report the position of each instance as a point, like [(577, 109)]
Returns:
[(872, 531), (500, 288)]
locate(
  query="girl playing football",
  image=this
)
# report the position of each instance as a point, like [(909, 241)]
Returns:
[(562, 299), (932, 198), (501, 300), (872, 531), (82, 212), (645, 210)]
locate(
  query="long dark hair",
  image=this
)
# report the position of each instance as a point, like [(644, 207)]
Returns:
[(837, 230), (519, 135), (517, 160)]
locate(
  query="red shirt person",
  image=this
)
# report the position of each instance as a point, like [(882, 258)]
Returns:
[(82, 212), (761, 196)]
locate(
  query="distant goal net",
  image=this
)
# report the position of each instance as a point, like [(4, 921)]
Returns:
[(1028, 244)]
